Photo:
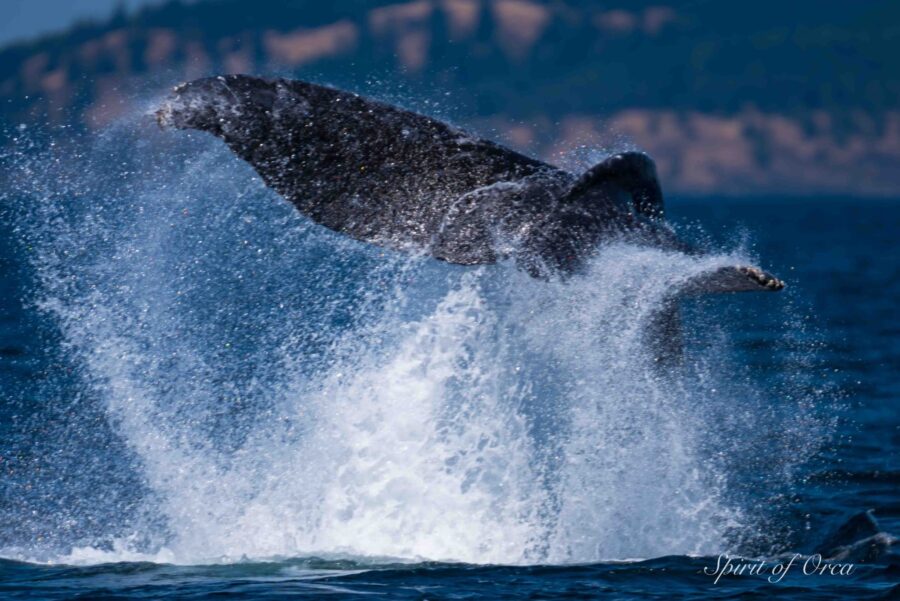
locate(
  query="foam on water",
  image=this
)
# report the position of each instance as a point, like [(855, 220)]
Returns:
[(283, 391)]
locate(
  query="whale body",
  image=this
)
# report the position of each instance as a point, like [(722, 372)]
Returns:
[(402, 180)]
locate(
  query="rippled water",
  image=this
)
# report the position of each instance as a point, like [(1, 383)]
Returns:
[(194, 375)]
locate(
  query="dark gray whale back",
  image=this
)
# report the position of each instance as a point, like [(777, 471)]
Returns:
[(396, 178)]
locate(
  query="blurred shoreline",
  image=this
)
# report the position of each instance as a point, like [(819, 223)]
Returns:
[(727, 103)]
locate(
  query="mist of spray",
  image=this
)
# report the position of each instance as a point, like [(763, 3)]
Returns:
[(279, 390)]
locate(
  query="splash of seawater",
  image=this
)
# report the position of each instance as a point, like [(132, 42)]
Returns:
[(284, 391)]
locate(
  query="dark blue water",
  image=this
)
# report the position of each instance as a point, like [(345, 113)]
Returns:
[(155, 444)]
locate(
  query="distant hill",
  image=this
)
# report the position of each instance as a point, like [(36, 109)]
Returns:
[(733, 98)]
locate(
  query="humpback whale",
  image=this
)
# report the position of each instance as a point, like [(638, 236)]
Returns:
[(399, 179)]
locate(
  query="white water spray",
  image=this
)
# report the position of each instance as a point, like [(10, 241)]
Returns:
[(288, 392)]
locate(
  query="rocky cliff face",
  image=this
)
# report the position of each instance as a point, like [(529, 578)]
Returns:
[(802, 99)]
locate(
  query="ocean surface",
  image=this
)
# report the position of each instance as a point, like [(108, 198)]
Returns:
[(202, 395)]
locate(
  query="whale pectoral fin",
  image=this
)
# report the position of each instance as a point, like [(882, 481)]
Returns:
[(734, 278), (633, 172), (663, 331)]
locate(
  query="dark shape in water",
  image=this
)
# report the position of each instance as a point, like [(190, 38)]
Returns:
[(398, 179), (859, 539)]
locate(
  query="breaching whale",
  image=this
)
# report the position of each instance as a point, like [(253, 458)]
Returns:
[(399, 179)]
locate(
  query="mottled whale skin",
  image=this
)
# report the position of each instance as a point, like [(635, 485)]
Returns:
[(395, 178)]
